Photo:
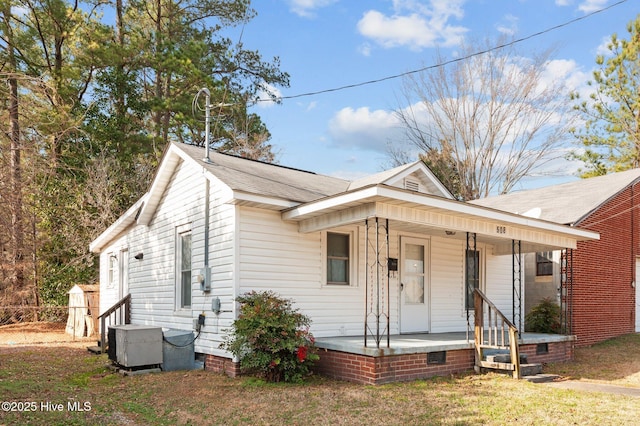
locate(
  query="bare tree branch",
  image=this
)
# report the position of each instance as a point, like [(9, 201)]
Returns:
[(493, 119)]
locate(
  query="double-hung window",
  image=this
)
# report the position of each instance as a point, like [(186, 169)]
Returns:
[(112, 272), (183, 272), (544, 263), (338, 258)]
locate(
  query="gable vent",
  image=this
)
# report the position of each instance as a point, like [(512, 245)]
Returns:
[(412, 185)]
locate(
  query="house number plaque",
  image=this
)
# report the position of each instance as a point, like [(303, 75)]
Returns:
[(501, 229)]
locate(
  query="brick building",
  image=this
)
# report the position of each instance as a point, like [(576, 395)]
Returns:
[(597, 292)]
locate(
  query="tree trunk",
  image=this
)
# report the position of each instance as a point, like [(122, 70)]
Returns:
[(15, 174)]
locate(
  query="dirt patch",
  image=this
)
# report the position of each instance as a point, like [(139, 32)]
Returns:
[(30, 333)]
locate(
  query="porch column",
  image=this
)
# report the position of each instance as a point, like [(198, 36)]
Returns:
[(566, 291), (516, 295), (376, 320)]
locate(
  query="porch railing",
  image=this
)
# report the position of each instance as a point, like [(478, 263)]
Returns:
[(119, 313), (494, 331)]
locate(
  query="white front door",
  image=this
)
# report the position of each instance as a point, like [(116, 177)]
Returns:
[(414, 285)]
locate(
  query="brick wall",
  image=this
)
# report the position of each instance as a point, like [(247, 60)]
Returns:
[(219, 364), (398, 368), (557, 352), (603, 298), (395, 368)]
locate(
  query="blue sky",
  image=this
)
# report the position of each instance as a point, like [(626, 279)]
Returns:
[(325, 44)]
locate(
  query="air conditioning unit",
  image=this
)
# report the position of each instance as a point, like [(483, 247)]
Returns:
[(135, 345), (178, 350)]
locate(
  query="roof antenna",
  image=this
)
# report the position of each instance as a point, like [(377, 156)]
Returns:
[(207, 118), (207, 123)]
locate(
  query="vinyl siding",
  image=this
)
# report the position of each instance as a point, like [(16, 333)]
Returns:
[(109, 295), (152, 280), (447, 286), (499, 283), (275, 256)]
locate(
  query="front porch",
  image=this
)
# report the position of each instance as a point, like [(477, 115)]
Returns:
[(419, 356)]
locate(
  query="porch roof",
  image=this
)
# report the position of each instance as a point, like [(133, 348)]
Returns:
[(427, 214)]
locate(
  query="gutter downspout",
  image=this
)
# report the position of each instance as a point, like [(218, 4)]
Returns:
[(207, 273)]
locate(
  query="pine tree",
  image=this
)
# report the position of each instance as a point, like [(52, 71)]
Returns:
[(611, 134)]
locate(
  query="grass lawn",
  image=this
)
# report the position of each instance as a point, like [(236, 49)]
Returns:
[(67, 385)]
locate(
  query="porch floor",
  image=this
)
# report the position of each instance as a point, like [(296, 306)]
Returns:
[(402, 344)]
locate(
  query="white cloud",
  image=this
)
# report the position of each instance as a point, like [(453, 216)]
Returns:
[(362, 128), (589, 6), (585, 6), (365, 49), (415, 24), (306, 8), (510, 27), (603, 47), (567, 71)]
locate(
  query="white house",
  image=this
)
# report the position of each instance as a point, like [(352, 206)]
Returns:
[(385, 266)]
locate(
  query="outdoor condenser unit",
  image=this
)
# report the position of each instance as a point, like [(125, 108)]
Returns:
[(136, 345)]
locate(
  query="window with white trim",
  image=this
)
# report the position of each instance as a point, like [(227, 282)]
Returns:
[(339, 258), (112, 271), (183, 270)]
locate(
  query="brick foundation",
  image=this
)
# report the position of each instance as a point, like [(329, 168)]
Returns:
[(386, 369), (375, 370), (219, 364), (398, 368), (557, 352)]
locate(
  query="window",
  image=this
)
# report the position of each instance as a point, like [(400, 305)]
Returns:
[(544, 263), (183, 273), (112, 271), (472, 276), (338, 258)]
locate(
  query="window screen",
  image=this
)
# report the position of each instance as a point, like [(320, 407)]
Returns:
[(338, 258)]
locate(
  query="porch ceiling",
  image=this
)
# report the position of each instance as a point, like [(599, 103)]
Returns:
[(409, 211)]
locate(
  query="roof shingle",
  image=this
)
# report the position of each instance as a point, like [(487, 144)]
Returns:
[(567, 203)]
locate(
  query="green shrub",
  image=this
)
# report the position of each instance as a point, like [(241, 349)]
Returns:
[(544, 317), (271, 339)]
